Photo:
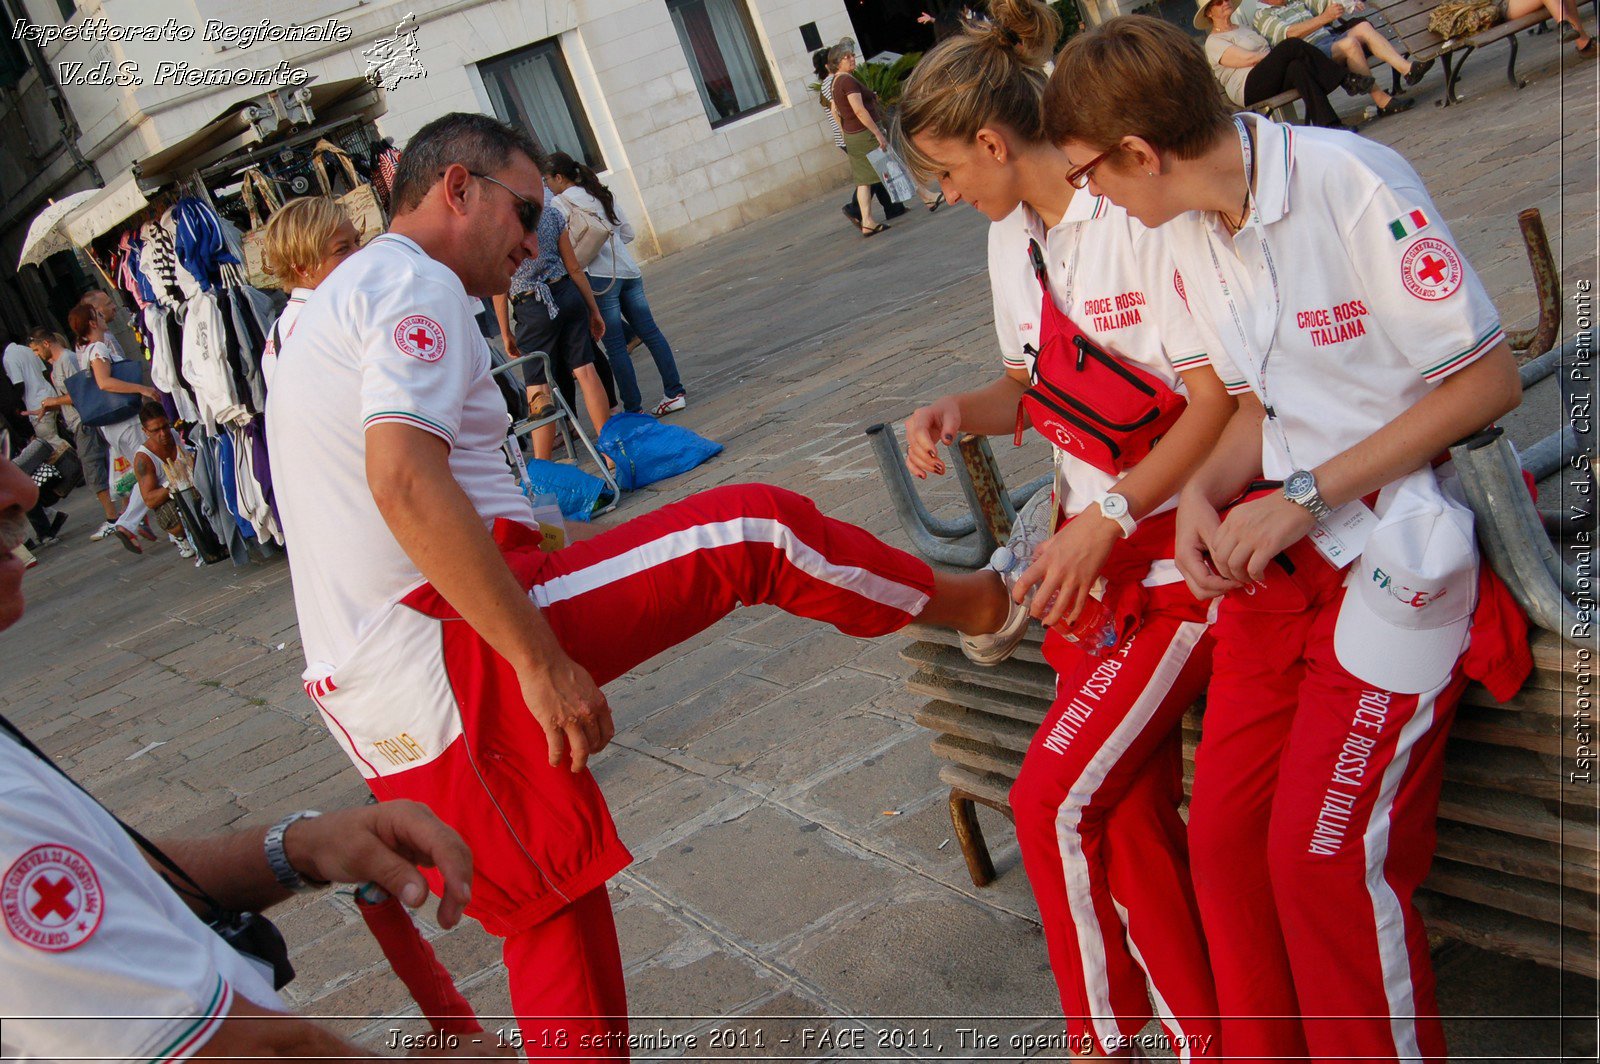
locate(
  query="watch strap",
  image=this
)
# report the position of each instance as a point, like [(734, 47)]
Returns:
[(278, 860), (1124, 520)]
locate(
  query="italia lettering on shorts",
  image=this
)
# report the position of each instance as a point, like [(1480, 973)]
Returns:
[(1430, 269), (420, 337), (51, 898)]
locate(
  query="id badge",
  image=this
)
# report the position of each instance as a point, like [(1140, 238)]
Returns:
[(1342, 535)]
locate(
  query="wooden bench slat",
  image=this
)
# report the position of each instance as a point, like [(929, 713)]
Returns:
[(977, 756), (1001, 732), (1523, 858), (1031, 711), (1544, 902), (1514, 936)]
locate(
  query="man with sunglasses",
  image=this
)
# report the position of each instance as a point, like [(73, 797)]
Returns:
[(453, 660)]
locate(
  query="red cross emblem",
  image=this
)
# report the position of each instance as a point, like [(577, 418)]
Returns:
[(51, 898), (1431, 269), (420, 337)]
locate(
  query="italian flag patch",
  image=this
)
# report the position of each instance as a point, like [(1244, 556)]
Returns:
[(1409, 224)]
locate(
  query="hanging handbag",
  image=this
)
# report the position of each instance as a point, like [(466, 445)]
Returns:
[(98, 407), (1101, 409), (360, 204), (256, 184), (588, 233)]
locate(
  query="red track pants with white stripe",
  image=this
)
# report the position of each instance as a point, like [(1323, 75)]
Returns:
[(1096, 806), (1311, 825), (624, 596)]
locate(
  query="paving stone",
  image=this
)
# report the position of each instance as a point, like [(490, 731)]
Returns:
[(715, 870), (643, 931), (834, 747), (670, 810), (696, 716), (905, 774), (626, 775), (785, 1028), (959, 946), (712, 985), (784, 720), (693, 672)]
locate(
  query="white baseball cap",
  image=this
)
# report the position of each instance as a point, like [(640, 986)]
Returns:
[(1409, 597)]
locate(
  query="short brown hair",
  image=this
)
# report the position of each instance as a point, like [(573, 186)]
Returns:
[(296, 235), (990, 74), (480, 143), (1135, 76)]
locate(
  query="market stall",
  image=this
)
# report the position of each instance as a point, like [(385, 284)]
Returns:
[(176, 238)]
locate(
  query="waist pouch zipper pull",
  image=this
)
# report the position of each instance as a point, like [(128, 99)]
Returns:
[(1022, 422), (1083, 352)]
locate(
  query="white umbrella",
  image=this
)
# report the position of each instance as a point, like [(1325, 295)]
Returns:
[(45, 235)]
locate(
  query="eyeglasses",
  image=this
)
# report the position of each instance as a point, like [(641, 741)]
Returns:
[(527, 210), (1078, 177)]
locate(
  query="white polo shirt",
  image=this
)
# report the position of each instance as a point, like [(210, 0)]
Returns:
[(95, 939), (280, 331), (1115, 279), (1342, 301), (390, 337)]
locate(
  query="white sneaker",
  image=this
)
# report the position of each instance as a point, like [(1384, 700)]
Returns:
[(670, 405), (184, 549), (1032, 527), (103, 531)]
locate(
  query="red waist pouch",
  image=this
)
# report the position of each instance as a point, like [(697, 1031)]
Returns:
[(1099, 408)]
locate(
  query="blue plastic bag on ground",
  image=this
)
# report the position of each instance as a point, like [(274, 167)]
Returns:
[(645, 450), (578, 493)]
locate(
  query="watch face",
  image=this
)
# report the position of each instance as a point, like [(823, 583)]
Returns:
[(1113, 506), (1300, 484)]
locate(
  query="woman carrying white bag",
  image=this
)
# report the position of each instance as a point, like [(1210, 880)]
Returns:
[(616, 281)]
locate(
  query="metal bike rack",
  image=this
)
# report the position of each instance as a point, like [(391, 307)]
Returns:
[(970, 539)]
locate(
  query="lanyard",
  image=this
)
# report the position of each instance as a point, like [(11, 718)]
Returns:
[(1041, 268), (1247, 148)]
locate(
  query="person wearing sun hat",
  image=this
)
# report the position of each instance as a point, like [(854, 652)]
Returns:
[(1250, 70)]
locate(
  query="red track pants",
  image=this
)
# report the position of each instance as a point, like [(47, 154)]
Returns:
[(624, 596), (1096, 806), (1311, 826)]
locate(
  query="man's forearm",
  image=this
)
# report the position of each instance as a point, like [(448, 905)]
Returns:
[(435, 524), (231, 868)]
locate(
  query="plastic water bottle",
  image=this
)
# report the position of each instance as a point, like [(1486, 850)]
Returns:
[(1095, 630)]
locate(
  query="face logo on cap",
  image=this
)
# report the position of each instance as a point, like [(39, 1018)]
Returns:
[(1406, 596), (1431, 269), (420, 337), (51, 898)]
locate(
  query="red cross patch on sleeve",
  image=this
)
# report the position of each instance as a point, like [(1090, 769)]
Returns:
[(51, 898), (420, 337), (1431, 269)]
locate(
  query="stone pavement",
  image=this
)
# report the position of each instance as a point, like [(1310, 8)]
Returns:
[(794, 868)]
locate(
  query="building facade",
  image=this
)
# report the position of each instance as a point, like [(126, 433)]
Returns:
[(697, 113)]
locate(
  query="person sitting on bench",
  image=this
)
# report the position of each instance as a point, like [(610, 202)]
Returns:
[(1250, 70), (1281, 20)]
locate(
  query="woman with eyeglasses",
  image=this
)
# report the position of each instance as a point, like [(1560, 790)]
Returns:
[(1090, 316), (551, 308), (1361, 346)]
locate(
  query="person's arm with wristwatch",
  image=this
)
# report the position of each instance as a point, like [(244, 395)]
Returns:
[(252, 869), (1243, 544), (1066, 566)]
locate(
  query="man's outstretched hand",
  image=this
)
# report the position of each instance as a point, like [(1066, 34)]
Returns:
[(384, 844), (571, 709)]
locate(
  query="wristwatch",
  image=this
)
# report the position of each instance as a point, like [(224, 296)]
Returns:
[(1301, 489), (278, 860), (1115, 507)]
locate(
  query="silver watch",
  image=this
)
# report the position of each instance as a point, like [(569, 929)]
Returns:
[(278, 860), (1301, 489)]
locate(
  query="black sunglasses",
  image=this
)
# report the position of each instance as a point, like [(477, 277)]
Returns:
[(527, 210)]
